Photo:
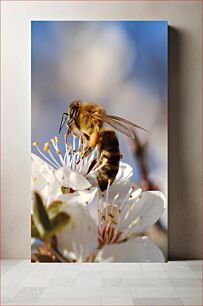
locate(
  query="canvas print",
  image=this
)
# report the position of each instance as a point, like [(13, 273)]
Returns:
[(99, 141)]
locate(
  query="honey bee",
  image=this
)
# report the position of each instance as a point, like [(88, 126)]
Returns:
[(86, 119)]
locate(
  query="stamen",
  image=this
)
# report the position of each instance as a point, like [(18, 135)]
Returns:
[(112, 205), (96, 165), (46, 146), (53, 158), (35, 144), (91, 157), (55, 145), (73, 154), (95, 170)]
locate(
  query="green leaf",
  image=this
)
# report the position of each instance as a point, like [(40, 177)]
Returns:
[(40, 216), (34, 231), (54, 208), (59, 221)]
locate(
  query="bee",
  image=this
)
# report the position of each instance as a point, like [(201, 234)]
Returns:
[(86, 119)]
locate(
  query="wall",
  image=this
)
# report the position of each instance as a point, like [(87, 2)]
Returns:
[(185, 71)]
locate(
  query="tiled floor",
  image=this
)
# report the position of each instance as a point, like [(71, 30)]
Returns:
[(173, 283)]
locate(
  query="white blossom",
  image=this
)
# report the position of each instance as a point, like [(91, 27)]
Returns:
[(69, 177), (117, 237)]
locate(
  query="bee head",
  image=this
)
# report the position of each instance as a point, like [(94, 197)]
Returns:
[(72, 111)]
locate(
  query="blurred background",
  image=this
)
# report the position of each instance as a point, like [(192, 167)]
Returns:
[(120, 65)]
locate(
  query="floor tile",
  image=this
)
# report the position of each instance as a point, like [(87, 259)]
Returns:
[(4, 301), (37, 281), (193, 262), (176, 263), (155, 274), (9, 292), (122, 274), (88, 282), (92, 267), (15, 275), (90, 275), (115, 292), (118, 301), (189, 291), (177, 268), (157, 301), (21, 301), (196, 268), (172, 283), (112, 282), (73, 292), (109, 267), (185, 282), (146, 282), (67, 274), (28, 292), (6, 268), (198, 274), (192, 301), (178, 274), (69, 301), (150, 267), (61, 282), (152, 292), (73, 267), (45, 268)]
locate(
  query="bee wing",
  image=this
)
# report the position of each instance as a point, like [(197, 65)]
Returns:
[(122, 125), (127, 122)]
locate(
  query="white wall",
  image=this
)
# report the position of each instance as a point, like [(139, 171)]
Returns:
[(184, 113)]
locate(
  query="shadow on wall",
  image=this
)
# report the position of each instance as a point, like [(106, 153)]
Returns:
[(184, 201)]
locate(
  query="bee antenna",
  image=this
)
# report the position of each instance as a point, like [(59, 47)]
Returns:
[(63, 121)]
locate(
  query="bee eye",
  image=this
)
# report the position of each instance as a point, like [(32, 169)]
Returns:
[(73, 111)]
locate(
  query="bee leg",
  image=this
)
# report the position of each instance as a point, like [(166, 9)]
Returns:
[(94, 138), (67, 135), (87, 151)]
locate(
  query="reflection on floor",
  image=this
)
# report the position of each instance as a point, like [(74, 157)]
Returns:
[(173, 283)]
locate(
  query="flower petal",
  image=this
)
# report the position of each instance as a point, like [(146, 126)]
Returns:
[(72, 179), (139, 249), (79, 237), (119, 189), (83, 197), (143, 212), (42, 176), (125, 172)]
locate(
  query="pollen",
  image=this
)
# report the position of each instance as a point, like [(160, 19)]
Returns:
[(56, 139), (58, 152), (35, 144), (109, 181), (46, 146)]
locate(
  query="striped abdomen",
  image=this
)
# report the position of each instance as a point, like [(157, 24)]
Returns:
[(109, 155)]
